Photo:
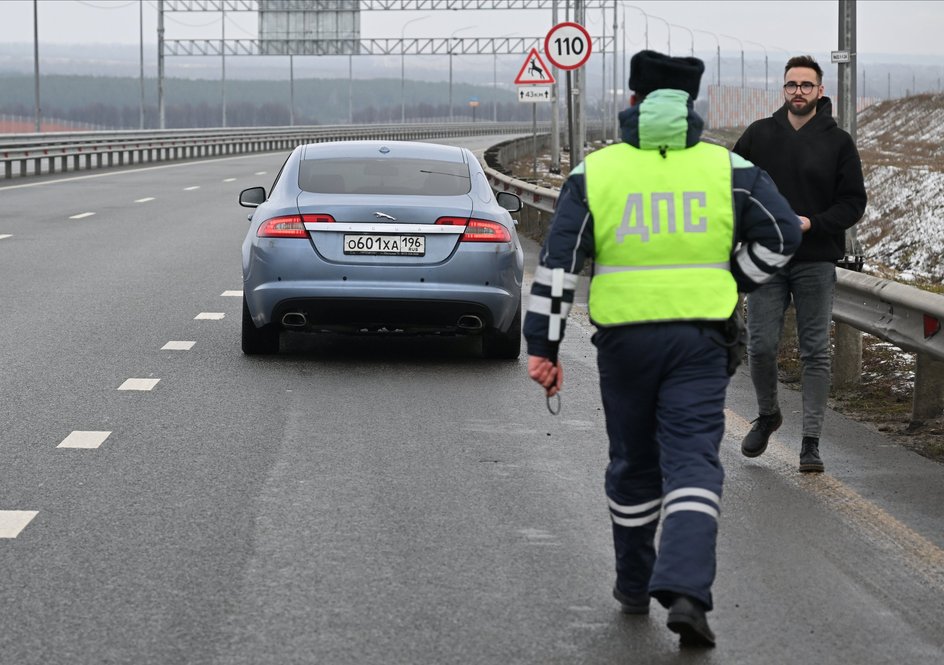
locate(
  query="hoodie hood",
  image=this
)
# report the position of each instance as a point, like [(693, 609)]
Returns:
[(664, 120)]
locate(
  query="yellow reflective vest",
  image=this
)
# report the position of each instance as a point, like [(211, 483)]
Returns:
[(663, 233)]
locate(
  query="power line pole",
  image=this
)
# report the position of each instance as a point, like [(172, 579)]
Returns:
[(223, 61), (571, 116), (848, 340), (613, 119), (36, 64), (847, 68), (160, 63), (555, 109), (580, 78), (141, 60)]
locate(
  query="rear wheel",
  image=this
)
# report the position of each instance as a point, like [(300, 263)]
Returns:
[(504, 345), (258, 341)]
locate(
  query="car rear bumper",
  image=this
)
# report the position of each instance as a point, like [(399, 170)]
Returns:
[(354, 308), (415, 298), (364, 315)]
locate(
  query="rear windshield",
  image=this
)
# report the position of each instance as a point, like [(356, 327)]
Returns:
[(425, 177)]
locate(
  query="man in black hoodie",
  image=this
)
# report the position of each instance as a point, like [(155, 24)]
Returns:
[(816, 167)]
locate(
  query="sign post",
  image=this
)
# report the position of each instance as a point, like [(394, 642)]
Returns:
[(473, 102)]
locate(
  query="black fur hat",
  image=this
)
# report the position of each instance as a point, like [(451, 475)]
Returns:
[(651, 70)]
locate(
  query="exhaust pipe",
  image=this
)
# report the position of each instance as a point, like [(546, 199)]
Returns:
[(470, 322), (294, 320)]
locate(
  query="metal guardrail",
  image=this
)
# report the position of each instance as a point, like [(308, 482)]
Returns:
[(907, 317), (37, 154), (902, 315)]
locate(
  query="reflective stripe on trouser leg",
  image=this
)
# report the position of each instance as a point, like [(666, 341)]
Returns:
[(634, 532), (687, 560)]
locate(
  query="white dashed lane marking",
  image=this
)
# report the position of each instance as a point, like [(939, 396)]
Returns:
[(177, 346), (82, 215), (5, 235), (229, 179), (233, 294), (260, 173), (209, 316), (138, 384), (144, 200), (190, 189), (79, 439), (14, 521)]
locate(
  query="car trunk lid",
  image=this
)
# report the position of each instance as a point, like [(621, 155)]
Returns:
[(367, 229)]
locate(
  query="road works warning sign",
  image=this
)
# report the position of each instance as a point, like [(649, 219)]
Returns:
[(534, 71)]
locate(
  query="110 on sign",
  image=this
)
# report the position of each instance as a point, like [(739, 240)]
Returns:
[(567, 45)]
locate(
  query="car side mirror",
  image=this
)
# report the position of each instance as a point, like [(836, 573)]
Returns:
[(252, 197), (508, 201)]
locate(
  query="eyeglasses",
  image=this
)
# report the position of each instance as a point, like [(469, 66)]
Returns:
[(806, 87)]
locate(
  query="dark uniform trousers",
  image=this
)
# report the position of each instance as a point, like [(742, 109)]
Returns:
[(663, 388)]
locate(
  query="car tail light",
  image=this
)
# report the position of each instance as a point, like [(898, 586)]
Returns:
[(478, 230), (317, 217), (289, 226)]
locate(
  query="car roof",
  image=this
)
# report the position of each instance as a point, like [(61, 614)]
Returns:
[(374, 149)]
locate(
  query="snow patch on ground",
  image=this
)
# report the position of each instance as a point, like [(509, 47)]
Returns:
[(903, 226), (902, 147)]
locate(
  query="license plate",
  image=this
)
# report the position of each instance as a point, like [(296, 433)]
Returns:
[(364, 243)]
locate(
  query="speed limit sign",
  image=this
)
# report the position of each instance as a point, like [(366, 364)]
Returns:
[(567, 45)]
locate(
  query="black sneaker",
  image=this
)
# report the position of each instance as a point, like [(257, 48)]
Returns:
[(687, 618), (755, 443), (637, 603), (810, 461)]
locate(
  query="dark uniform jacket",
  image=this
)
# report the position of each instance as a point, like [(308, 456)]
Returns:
[(817, 169), (767, 232)]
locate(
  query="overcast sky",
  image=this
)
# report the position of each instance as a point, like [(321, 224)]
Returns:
[(780, 26)]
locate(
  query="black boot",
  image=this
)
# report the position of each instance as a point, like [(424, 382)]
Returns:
[(755, 443), (687, 618), (810, 461), (632, 603)]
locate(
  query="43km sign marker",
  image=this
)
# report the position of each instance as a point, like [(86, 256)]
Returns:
[(567, 45)]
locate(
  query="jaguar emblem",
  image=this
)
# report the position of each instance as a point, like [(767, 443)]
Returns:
[(383, 215)]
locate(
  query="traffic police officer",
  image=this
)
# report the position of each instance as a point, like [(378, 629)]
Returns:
[(675, 227)]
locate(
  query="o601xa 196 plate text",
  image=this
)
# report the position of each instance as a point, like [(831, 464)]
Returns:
[(363, 243)]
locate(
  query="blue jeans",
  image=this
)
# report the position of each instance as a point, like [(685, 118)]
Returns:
[(812, 286)]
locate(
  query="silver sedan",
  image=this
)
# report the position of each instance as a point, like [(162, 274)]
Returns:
[(389, 237)]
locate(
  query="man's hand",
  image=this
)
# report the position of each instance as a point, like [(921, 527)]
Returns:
[(546, 373), (804, 223)]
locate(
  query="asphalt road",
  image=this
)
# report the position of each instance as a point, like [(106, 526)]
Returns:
[(372, 500)]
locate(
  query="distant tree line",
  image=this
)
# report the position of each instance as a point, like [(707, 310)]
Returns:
[(115, 102)]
